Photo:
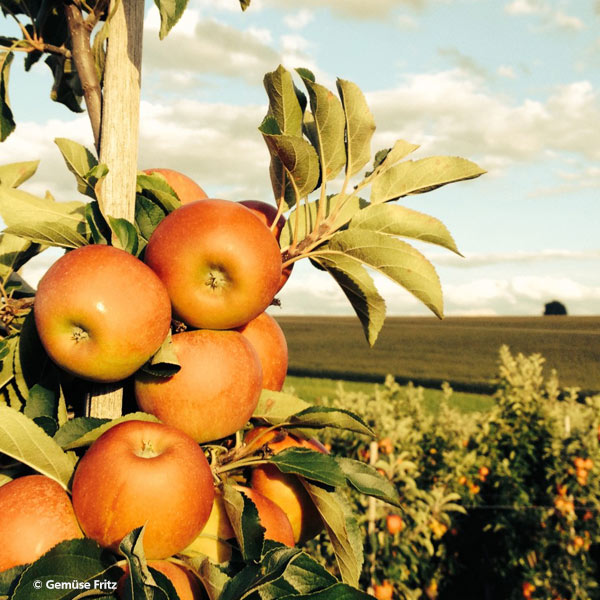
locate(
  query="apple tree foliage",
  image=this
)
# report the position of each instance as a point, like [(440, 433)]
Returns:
[(339, 202)]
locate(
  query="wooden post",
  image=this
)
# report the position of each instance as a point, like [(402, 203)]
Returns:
[(119, 141)]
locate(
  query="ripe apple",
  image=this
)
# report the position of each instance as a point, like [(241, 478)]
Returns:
[(186, 584), (285, 489), (35, 514), (187, 189), (101, 313), (265, 334), (394, 524), (271, 517), (221, 266), (267, 213), (384, 591), (216, 390), (141, 473)]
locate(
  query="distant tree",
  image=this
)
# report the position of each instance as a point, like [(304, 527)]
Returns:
[(555, 308)]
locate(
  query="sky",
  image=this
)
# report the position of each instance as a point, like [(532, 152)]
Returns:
[(512, 85)]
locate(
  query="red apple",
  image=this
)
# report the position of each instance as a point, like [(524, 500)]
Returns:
[(265, 334), (221, 266), (35, 514), (101, 313), (216, 390), (141, 473), (187, 189), (267, 213)]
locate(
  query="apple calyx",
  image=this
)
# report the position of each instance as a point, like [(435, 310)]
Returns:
[(216, 279), (79, 334)]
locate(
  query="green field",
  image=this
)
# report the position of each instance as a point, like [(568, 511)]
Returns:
[(460, 350)]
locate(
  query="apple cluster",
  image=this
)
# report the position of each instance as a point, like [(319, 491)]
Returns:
[(101, 314)]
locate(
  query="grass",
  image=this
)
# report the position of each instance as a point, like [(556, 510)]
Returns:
[(462, 351), (316, 389)]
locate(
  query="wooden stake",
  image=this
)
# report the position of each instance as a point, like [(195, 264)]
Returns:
[(119, 141)]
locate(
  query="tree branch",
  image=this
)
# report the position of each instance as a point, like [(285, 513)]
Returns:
[(83, 58)]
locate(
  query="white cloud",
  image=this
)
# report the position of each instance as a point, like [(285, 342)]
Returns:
[(453, 112), (472, 260), (550, 16), (506, 71), (207, 46), (300, 19)]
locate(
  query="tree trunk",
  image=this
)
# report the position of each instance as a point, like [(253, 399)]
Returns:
[(119, 140)]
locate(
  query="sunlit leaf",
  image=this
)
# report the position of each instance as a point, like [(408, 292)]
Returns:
[(170, 12), (417, 177), (14, 174), (7, 121)]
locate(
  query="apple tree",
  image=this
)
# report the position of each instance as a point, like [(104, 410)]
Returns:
[(338, 203)]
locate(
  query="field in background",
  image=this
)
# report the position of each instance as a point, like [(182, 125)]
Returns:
[(316, 389), (460, 350)]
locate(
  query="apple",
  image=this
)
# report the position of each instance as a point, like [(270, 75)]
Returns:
[(394, 524), (267, 213), (216, 390), (265, 334), (271, 517), (35, 514), (141, 473), (186, 584), (101, 313), (221, 266), (285, 489), (212, 540), (187, 189)]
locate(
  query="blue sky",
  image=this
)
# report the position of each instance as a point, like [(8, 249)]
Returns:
[(510, 84)]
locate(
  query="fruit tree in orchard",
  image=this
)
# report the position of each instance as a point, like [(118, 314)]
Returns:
[(210, 479)]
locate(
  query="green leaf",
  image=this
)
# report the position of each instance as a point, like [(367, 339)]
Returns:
[(7, 121), (164, 363), (91, 435), (417, 177), (81, 561), (244, 4), (212, 576), (8, 347), (79, 161), (143, 582), (343, 531), (277, 407), (125, 236), (99, 228), (297, 156), (9, 579), (42, 220), (360, 126), (170, 12), (14, 253), (327, 416), (359, 288), (75, 429), (338, 591), (367, 480), (390, 257), (393, 219), (300, 575), (309, 464), (14, 174), (384, 159), (66, 88), (325, 128), (148, 215), (243, 516), (156, 188), (24, 441), (284, 106)]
